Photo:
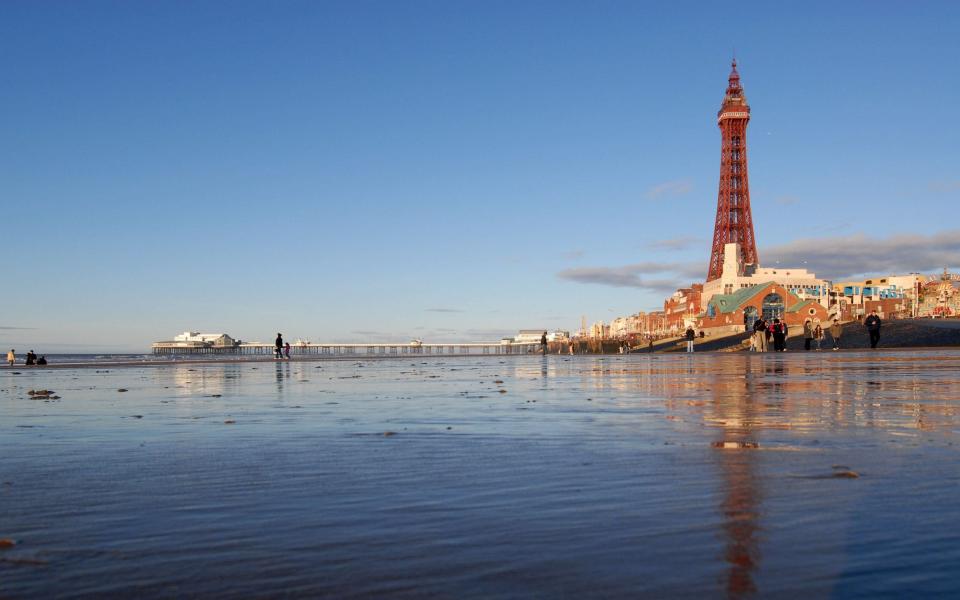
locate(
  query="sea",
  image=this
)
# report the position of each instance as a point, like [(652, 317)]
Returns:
[(779, 475)]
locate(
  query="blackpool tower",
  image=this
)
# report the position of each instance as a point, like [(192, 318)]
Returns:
[(734, 223)]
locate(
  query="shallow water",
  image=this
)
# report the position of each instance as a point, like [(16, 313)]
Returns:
[(588, 477)]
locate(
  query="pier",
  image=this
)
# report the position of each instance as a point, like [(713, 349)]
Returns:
[(337, 350)]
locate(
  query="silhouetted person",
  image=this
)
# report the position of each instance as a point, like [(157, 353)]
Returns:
[(42, 360), (278, 347), (807, 334), (779, 332), (873, 328), (543, 343), (31, 358), (690, 335), (286, 350), (760, 335)]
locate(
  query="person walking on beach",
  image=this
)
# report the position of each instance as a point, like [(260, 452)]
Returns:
[(760, 334), (873, 328), (691, 335), (31, 358), (836, 330), (278, 347), (286, 350), (543, 343), (807, 334), (818, 334), (11, 357)]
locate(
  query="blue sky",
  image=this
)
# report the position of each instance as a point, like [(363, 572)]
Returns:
[(383, 170)]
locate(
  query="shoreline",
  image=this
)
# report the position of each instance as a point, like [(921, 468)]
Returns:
[(22, 369)]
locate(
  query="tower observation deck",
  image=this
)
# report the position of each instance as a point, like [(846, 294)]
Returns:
[(734, 223)]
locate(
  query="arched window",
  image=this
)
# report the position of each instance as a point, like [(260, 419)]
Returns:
[(772, 307)]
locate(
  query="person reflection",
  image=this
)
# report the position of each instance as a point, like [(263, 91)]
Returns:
[(734, 403), (283, 371)]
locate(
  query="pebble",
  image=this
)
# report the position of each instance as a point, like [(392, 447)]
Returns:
[(846, 475), (726, 445), (7, 543), (123, 390)]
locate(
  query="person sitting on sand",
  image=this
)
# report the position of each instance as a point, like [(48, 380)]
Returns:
[(42, 360), (11, 357)]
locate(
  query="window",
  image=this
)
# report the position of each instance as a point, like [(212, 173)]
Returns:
[(772, 307)]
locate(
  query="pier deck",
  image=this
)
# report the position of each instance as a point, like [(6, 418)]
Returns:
[(335, 349)]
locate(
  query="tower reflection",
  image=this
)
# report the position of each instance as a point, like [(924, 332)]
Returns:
[(734, 410)]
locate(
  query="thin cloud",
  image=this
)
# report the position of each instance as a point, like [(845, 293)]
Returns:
[(444, 310), (489, 334), (635, 275), (944, 187), (11, 328), (677, 243), (677, 187), (786, 200), (837, 257), (573, 254)]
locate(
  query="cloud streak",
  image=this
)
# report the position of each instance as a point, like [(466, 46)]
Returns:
[(677, 243), (677, 187), (444, 310), (667, 276), (837, 257), (11, 328), (944, 187)]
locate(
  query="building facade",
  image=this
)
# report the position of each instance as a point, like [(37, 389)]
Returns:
[(738, 311)]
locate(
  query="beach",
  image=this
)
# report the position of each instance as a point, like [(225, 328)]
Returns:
[(705, 475)]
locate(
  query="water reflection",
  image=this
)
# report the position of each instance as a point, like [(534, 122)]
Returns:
[(734, 406), (746, 400), (205, 380), (283, 372)]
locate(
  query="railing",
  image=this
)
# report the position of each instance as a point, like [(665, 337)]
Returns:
[(368, 350)]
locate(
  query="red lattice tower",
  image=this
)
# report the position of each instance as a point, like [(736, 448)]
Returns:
[(734, 222)]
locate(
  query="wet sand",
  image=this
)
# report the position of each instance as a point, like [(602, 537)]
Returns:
[(711, 475)]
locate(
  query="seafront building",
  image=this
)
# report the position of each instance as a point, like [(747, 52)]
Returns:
[(940, 296), (532, 336)]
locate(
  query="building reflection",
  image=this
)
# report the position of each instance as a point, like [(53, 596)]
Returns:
[(734, 405)]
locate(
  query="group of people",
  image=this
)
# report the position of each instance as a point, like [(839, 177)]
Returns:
[(813, 332), (280, 349), (30, 360)]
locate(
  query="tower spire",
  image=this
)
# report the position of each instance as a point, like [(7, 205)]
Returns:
[(734, 222)]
